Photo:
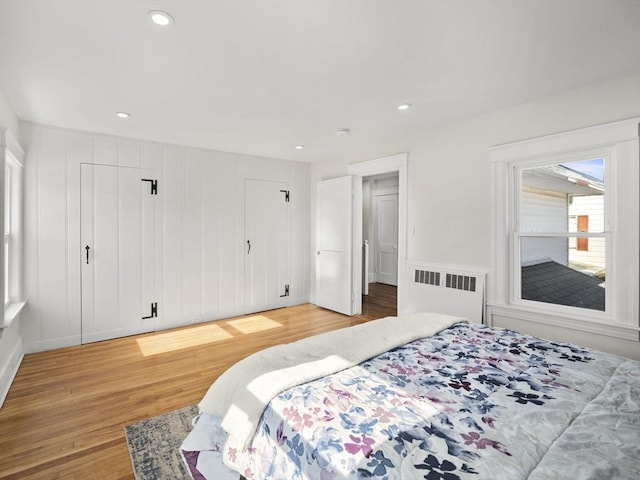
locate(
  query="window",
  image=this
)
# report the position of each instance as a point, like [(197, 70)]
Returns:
[(12, 220), (566, 227), (552, 234)]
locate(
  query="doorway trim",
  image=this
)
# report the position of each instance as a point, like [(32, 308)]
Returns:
[(393, 163)]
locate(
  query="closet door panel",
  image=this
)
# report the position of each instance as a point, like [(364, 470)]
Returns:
[(111, 223), (266, 245), (192, 239), (212, 272), (173, 205)]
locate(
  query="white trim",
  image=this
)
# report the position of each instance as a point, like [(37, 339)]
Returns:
[(10, 370), (568, 143), (356, 249), (11, 311), (563, 234), (13, 160), (45, 345), (617, 143), (379, 166), (519, 312)]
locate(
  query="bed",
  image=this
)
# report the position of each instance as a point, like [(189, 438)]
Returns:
[(423, 396)]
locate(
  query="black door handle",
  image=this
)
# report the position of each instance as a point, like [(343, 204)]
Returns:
[(87, 248), (249, 250)]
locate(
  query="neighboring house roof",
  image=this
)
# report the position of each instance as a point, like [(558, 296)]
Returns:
[(562, 179), (551, 282)]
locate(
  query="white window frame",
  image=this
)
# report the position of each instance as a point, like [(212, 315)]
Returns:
[(8, 217), (12, 159), (516, 168), (617, 143)]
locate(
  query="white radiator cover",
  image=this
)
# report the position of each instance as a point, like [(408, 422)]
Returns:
[(450, 289)]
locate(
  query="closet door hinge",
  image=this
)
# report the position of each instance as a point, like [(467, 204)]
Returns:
[(154, 185), (154, 311), (286, 291), (286, 195)]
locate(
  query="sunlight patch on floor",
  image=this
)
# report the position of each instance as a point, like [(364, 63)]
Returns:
[(255, 323), (179, 339), (202, 334)]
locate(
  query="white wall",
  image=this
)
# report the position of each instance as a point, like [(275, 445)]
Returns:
[(11, 346), (200, 225), (8, 118), (449, 171)]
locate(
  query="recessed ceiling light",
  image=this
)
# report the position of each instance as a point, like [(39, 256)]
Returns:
[(404, 106), (123, 114), (299, 147), (160, 18), (343, 132)]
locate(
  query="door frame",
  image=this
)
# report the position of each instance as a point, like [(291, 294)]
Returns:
[(393, 163)]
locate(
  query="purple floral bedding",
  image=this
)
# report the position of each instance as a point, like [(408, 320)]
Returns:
[(471, 402)]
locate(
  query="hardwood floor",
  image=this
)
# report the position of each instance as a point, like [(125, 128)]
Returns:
[(381, 302), (65, 412)]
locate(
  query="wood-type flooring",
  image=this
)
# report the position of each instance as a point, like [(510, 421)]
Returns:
[(64, 414)]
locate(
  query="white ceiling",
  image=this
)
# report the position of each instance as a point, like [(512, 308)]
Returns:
[(259, 77)]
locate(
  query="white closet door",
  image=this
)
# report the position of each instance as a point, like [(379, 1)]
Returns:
[(386, 220), (334, 267), (113, 200), (266, 225)]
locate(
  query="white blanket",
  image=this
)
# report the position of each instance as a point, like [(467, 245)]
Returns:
[(242, 393)]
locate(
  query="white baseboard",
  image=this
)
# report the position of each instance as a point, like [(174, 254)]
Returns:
[(73, 340), (44, 345), (10, 370)]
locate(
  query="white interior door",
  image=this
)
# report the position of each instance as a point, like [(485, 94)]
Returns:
[(266, 225), (334, 242), (116, 232), (386, 228)]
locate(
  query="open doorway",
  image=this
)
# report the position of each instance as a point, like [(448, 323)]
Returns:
[(391, 165), (380, 244), (339, 242)]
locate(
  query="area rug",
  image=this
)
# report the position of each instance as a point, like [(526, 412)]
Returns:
[(153, 445)]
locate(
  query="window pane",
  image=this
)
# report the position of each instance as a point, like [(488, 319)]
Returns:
[(552, 272), (565, 197)]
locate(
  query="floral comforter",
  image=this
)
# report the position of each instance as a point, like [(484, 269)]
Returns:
[(471, 402)]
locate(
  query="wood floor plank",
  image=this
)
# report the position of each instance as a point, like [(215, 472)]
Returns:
[(65, 412)]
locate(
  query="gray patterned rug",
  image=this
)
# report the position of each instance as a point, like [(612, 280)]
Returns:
[(153, 445)]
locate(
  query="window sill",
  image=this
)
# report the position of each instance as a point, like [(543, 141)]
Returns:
[(11, 311), (584, 324)]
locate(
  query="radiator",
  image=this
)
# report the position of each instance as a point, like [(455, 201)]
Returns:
[(449, 289)]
